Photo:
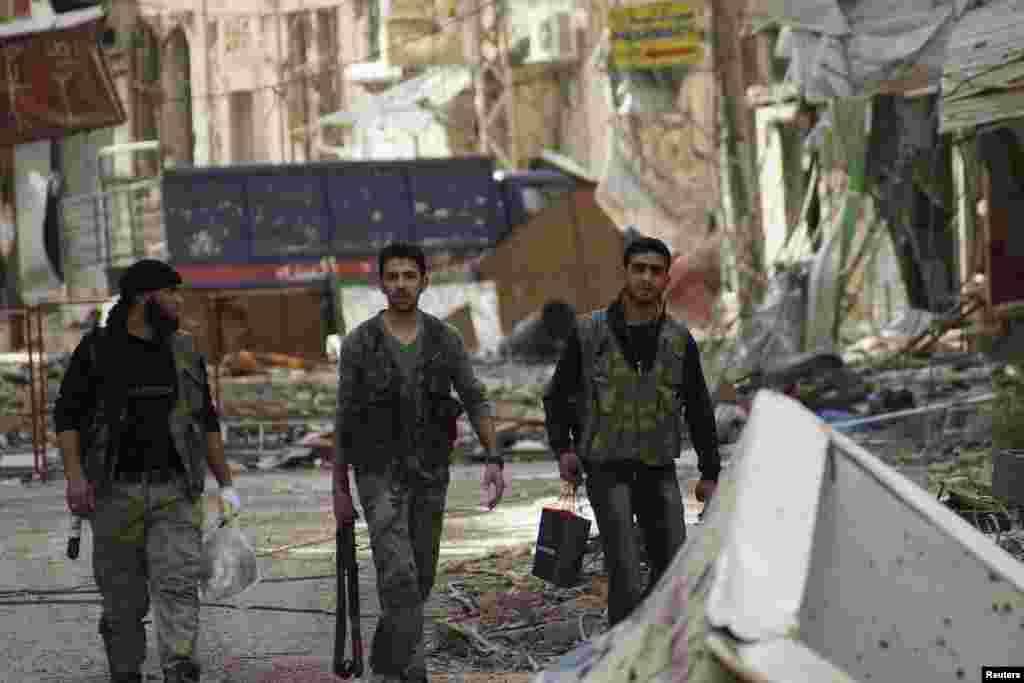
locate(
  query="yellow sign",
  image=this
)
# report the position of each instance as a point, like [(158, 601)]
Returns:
[(657, 35)]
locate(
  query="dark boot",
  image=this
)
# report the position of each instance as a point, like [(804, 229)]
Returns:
[(416, 672), (115, 676), (182, 672), (126, 678)]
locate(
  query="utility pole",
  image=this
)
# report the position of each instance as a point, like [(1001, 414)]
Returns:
[(738, 177)]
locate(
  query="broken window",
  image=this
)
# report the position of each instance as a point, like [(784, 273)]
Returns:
[(329, 81), (373, 26), (177, 139), (146, 96), (236, 34), (243, 128), (1003, 193)]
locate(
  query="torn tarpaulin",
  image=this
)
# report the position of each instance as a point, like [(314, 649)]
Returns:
[(850, 49)]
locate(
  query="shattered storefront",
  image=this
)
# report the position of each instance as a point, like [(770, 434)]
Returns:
[(835, 267), (57, 83), (940, 79), (982, 110)]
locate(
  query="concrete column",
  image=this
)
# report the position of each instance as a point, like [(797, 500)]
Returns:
[(280, 117), (222, 104), (316, 59), (201, 111)]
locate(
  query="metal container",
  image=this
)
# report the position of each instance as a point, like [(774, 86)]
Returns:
[(1008, 475)]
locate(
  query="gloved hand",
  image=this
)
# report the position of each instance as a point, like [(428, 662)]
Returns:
[(81, 496), (569, 467), (230, 504), (492, 485)]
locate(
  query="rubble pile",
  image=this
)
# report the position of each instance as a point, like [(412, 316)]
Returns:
[(16, 401), (290, 395), (518, 413), (498, 616)]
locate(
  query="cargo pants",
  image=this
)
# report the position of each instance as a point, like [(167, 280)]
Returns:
[(404, 511), (617, 492), (147, 547)]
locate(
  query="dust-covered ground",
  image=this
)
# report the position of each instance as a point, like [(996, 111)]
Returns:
[(49, 610)]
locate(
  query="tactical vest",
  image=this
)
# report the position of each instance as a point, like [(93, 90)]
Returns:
[(386, 426), (627, 416), (99, 437)]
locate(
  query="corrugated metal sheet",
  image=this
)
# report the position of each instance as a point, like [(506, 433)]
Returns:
[(884, 41), (984, 67)]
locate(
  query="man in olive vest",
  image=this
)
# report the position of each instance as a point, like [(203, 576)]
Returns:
[(615, 406), (395, 430), (137, 429)]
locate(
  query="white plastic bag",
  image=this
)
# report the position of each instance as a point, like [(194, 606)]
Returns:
[(229, 564)]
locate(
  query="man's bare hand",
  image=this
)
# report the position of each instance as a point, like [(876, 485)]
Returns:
[(344, 510), (705, 490), (81, 496), (492, 486), (569, 467)]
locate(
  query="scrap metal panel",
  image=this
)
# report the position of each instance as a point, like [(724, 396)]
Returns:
[(206, 217), (287, 214), (984, 66), (303, 213), (900, 588), (363, 222), (455, 207)]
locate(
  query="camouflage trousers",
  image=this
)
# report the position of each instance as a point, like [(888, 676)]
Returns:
[(147, 544), (404, 510)]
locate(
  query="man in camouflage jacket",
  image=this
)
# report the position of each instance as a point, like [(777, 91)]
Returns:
[(395, 423), (615, 405), (137, 430)]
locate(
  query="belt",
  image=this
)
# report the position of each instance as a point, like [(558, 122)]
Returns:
[(162, 476)]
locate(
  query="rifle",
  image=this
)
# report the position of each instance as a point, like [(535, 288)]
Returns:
[(348, 590)]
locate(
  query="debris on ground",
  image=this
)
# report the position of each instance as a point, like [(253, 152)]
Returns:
[(239, 363), (499, 616)]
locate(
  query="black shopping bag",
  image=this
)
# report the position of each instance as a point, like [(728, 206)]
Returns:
[(561, 543)]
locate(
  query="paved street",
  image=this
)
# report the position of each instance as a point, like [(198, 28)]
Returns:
[(47, 642)]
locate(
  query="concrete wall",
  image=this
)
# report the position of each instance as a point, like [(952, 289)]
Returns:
[(230, 71)]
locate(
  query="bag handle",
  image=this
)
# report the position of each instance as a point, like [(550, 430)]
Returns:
[(567, 499)]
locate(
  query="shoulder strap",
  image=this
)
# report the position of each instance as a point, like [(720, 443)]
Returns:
[(96, 338), (601, 334), (96, 343)]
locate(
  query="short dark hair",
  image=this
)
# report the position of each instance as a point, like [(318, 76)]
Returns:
[(644, 245), (402, 250)]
